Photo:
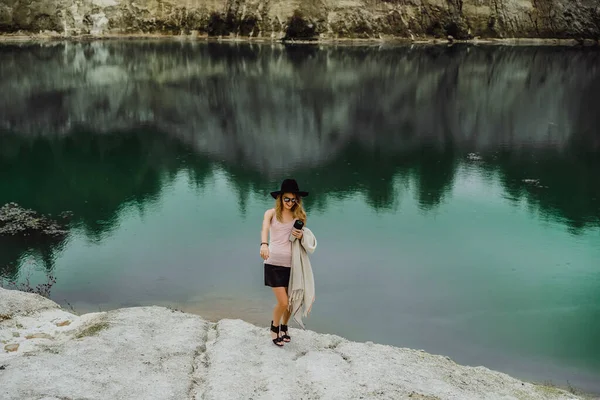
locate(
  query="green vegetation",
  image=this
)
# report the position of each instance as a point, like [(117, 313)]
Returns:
[(92, 330)]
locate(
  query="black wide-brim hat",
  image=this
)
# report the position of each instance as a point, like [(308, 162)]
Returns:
[(289, 186)]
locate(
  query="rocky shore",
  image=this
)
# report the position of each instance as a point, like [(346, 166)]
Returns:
[(308, 20), (16, 221), (159, 353)]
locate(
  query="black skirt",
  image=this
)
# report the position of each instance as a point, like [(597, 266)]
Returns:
[(276, 276)]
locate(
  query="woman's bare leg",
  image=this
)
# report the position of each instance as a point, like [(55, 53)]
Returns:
[(284, 328), (280, 307), (286, 314)]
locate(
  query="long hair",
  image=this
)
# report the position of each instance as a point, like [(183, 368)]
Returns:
[(297, 209)]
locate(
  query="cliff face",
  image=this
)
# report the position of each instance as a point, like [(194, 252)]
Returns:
[(308, 19)]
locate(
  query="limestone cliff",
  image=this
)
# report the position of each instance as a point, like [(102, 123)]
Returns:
[(307, 19)]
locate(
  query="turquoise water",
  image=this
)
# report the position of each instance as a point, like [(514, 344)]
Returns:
[(454, 191)]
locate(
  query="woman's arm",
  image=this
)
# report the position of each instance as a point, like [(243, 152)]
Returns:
[(264, 234)]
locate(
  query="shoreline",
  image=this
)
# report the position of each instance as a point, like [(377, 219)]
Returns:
[(130, 353), (384, 40), (215, 313)]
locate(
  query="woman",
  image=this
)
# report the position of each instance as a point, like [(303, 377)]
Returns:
[(278, 223)]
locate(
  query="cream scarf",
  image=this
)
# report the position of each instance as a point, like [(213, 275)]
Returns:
[(301, 289)]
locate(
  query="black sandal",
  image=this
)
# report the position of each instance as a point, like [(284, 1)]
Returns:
[(277, 341), (285, 337)]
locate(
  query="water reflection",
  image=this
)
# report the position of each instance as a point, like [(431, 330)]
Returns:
[(91, 175), (272, 106), (89, 127), (565, 183), (95, 175), (14, 250)]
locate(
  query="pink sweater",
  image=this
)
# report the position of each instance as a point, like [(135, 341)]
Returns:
[(280, 247)]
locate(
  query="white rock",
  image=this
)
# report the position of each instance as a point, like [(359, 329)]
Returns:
[(156, 353), (100, 23), (11, 347), (105, 3), (15, 302), (39, 335)]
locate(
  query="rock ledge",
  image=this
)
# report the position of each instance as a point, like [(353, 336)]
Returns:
[(158, 353)]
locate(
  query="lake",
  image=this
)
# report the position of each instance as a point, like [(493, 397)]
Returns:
[(454, 191)]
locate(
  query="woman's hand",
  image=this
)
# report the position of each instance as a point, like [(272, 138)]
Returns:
[(297, 233), (264, 251)]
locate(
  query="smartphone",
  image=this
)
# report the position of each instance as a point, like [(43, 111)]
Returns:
[(297, 225)]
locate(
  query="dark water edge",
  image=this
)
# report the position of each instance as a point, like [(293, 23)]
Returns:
[(98, 128)]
